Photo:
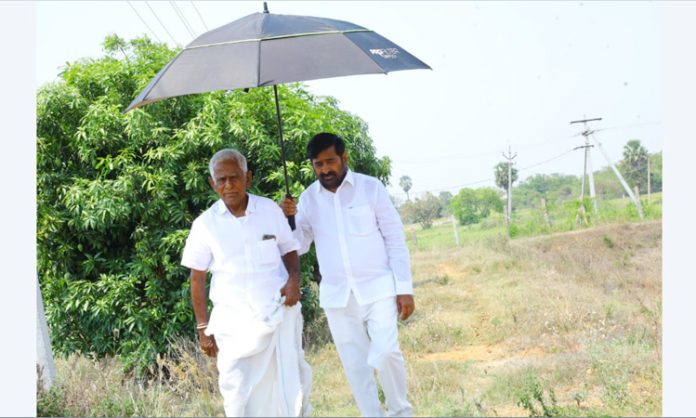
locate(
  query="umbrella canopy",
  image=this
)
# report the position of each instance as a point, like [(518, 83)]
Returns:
[(265, 49)]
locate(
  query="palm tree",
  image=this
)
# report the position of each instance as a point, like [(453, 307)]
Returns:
[(501, 175), (405, 182)]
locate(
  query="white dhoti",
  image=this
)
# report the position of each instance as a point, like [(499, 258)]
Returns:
[(366, 338), (261, 365)]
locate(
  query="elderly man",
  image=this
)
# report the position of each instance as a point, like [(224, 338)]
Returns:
[(365, 270), (255, 325)]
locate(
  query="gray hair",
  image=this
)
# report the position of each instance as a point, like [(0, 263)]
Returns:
[(226, 155)]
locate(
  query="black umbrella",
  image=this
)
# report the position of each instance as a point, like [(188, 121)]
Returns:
[(265, 49)]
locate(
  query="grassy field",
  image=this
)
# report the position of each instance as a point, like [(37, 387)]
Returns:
[(529, 222), (561, 324)]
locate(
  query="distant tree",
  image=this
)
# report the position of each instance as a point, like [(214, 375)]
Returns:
[(423, 210), (464, 208), (553, 187), (470, 206), (540, 183), (607, 186), (406, 183), (489, 200), (445, 200), (501, 175), (635, 164), (656, 172)]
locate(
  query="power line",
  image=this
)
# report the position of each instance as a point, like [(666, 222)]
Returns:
[(524, 147), (182, 18), (472, 156), (453, 157), (629, 126), (160, 22), (459, 186), (633, 170), (546, 161), (144, 22), (199, 15)]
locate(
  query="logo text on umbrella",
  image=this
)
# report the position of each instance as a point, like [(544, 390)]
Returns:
[(387, 53)]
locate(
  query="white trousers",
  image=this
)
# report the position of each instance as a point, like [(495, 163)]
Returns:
[(366, 338)]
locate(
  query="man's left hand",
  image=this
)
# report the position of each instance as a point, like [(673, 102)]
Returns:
[(291, 291), (405, 305)]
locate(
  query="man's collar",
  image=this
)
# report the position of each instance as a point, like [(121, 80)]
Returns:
[(347, 179), (251, 205)]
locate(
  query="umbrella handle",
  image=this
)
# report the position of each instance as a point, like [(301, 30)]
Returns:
[(291, 218)]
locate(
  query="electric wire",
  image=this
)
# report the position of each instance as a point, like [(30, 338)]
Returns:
[(183, 19), (199, 15), (144, 22), (488, 179), (524, 147), (546, 161), (160, 22)]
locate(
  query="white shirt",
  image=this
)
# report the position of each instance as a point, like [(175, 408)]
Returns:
[(247, 269), (360, 241)]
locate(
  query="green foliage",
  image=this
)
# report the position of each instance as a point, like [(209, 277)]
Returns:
[(470, 206), (541, 402), (117, 192), (656, 172), (607, 185), (555, 188), (634, 165), (50, 403), (608, 241), (423, 210), (443, 280), (504, 174)]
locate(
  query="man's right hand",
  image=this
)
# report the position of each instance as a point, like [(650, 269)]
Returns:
[(289, 207), (208, 344)]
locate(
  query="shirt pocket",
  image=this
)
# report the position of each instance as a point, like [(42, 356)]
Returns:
[(361, 220), (267, 254)]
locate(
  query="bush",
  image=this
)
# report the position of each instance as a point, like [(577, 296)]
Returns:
[(470, 206), (424, 210)]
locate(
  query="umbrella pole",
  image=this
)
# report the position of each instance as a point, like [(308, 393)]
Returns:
[(291, 219)]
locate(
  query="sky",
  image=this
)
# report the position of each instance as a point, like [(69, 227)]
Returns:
[(505, 76)]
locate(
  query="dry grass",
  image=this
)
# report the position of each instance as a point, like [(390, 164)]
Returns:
[(577, 314), (573, 319), (87, 387)]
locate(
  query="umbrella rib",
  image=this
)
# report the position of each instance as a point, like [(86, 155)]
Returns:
[(270, 38)]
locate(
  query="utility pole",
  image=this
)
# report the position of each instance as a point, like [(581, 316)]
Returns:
[(509, 157), (590, 133), (588, 162)]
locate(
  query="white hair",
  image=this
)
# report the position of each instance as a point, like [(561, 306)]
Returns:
[(226, 155)]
